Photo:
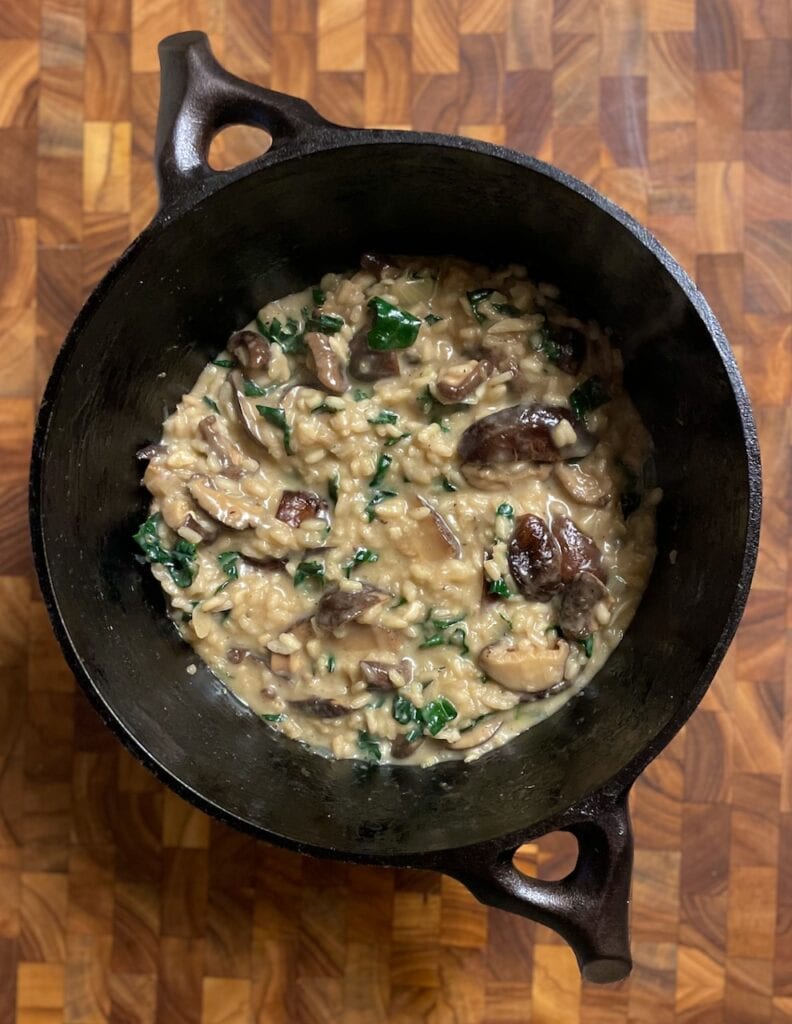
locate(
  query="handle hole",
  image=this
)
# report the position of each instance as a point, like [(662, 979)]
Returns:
[(237, 144), (549, 857)]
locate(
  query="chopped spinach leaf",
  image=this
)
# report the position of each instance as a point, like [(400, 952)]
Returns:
[(506, 620), (475, 298), (393, 328), (369, 746), (225, 363), (589, 395), (549, 345), (332, 487), (211, 403), (587, 645), (506, 309), (324, 323), (437, 714), (446, 484), (229, 563), (289, 336), (274, 718), (404, 711), (395, 440), (436, 640), (445, 623), (360, 394), (432, 318), (498, 588), (383, 465), (179, 562), (277, 417), (324, 407), (331, 663), (385, 416), (400, 603), (360, 556), (318, 295), (378, 497), (505, 510), (314, 571), (253, 390)]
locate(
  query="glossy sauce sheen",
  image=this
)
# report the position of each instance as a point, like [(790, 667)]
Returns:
[(341, 525)]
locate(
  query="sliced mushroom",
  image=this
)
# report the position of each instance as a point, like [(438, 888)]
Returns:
[(204, 528), (270, 564), (402, 748), (524, 666), (337, 607), (480, 733), (577, 617), (321, 707), (578, 552), (438, 540), (524, 432), (493, 478), (254, 425), (362, 640), (234, 510), (570, 344), (329, 370), (150, 451), (582, 486), (295, 663), (228, 454), (175, 506), (376, 674), (297, 506), (374, 263), (367, 364), (252, 351), (236, 655), (534, 559), (456, 383)]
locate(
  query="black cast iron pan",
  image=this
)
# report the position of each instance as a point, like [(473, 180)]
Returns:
[(221, 246)]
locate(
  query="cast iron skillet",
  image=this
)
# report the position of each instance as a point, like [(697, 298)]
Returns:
[(222, 245)]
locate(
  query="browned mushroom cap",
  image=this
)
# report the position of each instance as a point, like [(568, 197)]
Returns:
[(376, 674), (534, 559), (570, 345), (366, 364), (440, 541), (524, 666), (321, 707), (373, 262), (338, 607), (457, 382), (402, 747), (576, 616), (524, 432), (297, 506), (228, 454), (250, 348), (329, 370), (150, 451), (578, 552)]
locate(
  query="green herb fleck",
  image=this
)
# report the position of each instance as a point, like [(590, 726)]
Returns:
[(498, 588), (318, 295), (324, 323), (395, 440), (587, 645), (360, 394), (225, 363), (179, 562), (385, 416), (446, 484), (437, 714), (274, 718), (589, 395), (505, 510), (445, 623), (369, 746), (432, 318), (393, 327), (360, 556), (289, 336), (252, 390), (211, 403), (331, 663), (229, 563), (383, 465), (314, 571), (506, 620), (475, 298), (277, 417), (324, 407)]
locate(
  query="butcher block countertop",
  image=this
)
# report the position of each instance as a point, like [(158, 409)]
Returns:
[(118, 901)]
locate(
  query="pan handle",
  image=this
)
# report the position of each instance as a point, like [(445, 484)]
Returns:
[(589, 908), (198, 97)]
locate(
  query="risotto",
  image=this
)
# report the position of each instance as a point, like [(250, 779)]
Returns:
[(405, 514)]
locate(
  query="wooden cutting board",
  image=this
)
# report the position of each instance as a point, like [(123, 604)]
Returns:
[(118, 902)]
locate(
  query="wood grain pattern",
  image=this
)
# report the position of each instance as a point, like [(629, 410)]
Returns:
[(118, 902)]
